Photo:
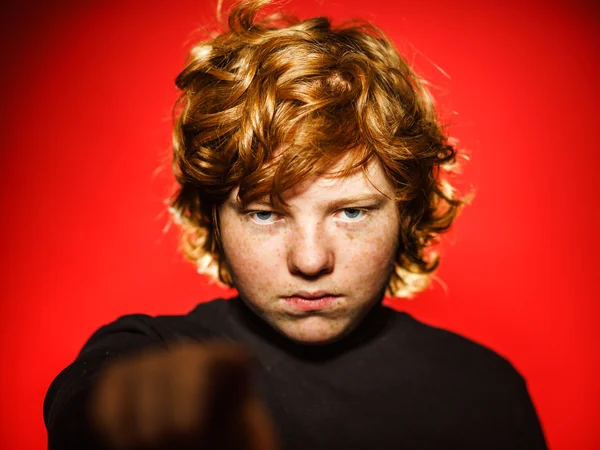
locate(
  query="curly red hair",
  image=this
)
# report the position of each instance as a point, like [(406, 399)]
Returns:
[(273, 101)]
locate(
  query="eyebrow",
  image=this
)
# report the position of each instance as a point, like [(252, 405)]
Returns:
[(373, 199)]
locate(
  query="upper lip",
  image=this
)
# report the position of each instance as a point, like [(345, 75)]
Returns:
[(312, 295)]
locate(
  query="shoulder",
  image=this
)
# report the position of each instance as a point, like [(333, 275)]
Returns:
[(202, 322), (456, 358), (474, 382), (209, 311)]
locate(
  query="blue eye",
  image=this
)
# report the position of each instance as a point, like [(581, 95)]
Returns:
[(263, 217), (353, 213)]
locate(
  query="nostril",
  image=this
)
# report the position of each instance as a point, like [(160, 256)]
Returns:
[(311, 276), (311, 268)]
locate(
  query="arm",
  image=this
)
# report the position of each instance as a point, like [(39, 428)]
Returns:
[(66, 402), (139, 385)]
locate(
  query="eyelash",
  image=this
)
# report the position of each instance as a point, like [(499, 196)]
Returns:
[(251, 215)]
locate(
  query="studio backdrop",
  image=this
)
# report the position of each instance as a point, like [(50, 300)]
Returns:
[(86, 96)]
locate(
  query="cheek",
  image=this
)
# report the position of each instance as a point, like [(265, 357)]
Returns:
[(370, 258), (249, 257)]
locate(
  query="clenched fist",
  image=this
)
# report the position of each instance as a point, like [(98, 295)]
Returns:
[(192, 396)]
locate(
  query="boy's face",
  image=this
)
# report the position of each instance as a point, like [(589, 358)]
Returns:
[(337, 242)]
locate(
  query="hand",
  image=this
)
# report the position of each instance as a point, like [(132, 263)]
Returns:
[(192, 395)]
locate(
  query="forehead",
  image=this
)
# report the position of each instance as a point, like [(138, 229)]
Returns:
[(369, 179), (331, 184)]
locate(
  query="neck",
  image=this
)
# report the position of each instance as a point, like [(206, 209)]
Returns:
[(371, 326)]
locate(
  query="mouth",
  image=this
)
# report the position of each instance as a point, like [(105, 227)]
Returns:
[(311, 301)]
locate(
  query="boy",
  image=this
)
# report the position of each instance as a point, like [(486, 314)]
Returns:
[(309, 167)]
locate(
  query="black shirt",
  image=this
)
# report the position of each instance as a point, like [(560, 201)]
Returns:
[(393, 383)]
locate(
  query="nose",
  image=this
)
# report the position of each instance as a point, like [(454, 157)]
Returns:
[(310, 252)]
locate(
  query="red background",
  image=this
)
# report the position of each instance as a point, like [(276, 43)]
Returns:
[(86, 94)]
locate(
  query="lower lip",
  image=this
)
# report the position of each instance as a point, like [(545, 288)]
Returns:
[(304, 304)]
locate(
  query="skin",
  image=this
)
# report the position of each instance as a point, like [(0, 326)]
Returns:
[(327, 240)]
